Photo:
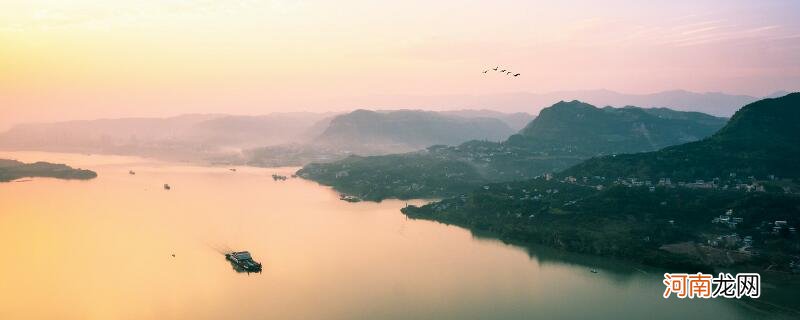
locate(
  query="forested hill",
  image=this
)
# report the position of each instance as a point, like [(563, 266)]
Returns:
[(761, 139), (577, 127)]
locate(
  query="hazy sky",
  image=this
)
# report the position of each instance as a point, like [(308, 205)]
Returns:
[(102, 58)]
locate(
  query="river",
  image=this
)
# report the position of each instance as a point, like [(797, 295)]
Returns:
[(102, 249)]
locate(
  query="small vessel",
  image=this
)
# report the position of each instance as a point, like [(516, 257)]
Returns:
[(277, 177), (167, 187), (131, 172), (349, 198), (243, 260), (593, 271)]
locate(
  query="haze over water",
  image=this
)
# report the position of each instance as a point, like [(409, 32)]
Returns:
[(101, 249)]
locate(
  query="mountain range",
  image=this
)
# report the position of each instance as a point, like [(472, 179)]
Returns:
[(562, 135), (762, 139), (185, 137), (274, 139), (714, 103)]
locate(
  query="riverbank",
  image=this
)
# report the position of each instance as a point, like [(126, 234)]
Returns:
[(675, 228)]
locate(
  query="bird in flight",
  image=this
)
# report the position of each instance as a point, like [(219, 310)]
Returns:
[(506, 71)]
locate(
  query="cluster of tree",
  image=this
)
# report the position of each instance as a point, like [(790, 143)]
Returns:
[(629, 223), (12, 170)]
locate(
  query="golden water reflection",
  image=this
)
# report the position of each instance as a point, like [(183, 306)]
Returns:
[(102, 249)]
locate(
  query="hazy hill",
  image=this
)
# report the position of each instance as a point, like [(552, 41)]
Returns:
[(186, 137), (563, 135), (370, 132), (516, 120), (382, 132), (763, 138), (255, 131), (292, 138)]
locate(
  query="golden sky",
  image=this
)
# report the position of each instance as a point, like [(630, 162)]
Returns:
[(101, 58)]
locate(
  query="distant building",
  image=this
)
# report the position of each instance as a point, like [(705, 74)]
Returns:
[(731, 240)]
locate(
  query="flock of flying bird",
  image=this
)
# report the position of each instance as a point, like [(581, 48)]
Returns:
[(507, 72)]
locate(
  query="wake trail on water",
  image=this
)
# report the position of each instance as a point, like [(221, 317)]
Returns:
[(219, 248)]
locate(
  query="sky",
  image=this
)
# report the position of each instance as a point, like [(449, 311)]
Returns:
[(83, 59)]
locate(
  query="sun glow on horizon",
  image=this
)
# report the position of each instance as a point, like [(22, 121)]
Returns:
[(94, 58)]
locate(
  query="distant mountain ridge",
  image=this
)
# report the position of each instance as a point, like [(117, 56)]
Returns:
[(208, 129), (367, 132), (763, 138), (276, 139), (185, 137), (713, 103)]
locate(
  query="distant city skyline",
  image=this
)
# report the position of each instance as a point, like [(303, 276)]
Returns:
[(91, 58)]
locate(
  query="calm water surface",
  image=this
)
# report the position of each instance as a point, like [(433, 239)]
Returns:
[(101, 249)]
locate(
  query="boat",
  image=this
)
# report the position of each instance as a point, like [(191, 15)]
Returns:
[(593, 270), (131, 172), (349, 198), (277, 177), (243, 260), (167, 187)]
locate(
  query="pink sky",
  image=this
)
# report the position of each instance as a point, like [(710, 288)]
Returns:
[(95, 58)]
